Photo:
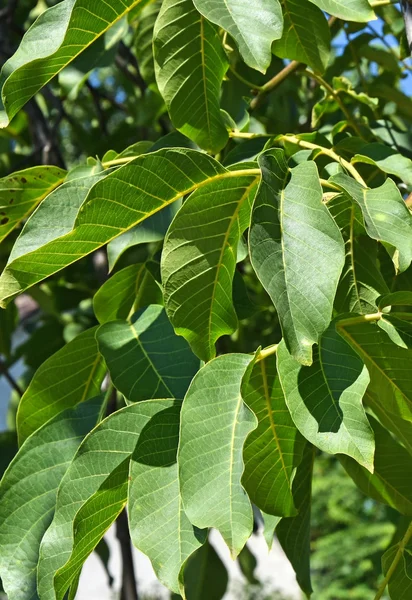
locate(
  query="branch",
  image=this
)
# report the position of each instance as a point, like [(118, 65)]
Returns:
[(129, 584), (402, 544), (13, 383)]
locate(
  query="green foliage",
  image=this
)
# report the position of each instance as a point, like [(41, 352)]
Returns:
[(206, 247)]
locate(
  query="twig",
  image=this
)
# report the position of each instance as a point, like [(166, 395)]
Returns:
[(401, 547), (129, 583), (13, 383), (274, 83)]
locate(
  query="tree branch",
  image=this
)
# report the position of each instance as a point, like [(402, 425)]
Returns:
[(129, 583), (12, 382)]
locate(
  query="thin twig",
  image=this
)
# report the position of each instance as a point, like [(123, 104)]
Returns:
[(399, 554), (13, 383), (129, 583)]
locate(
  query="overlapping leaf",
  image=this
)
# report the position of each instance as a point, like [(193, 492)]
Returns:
[(72, 375), (391, 480), (214, 425), (325, 399), (117, 203), (205, 576), (125, 292), (296, 250), (199, 260), (145, 357), (75, 24), (93, 493), (386, 215), (387, 159), (253, 27), (306, 35), (190, 65), (294, 532), (22, 191), (361, 282), (274, 449), (143, 40), (159, 526), (28, 494)]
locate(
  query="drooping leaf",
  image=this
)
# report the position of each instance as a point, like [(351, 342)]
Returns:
[(386, 215), (214, 425), (28, 494), (294, 532), (248, 563), (145, 357), (391, 480), (71, 375), (125, 292), (117, 203), (387, 159), (361, 282), (91, 495), (306, 35), (387, 363), (154, 490), (199, 260), (75, 25), (253, 27), (22, 191), (205, 575), (348, 10), (295, 246), (274, 449), (325, 399), (190, 65)]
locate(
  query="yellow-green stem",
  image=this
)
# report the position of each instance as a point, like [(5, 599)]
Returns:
[(399, 554)]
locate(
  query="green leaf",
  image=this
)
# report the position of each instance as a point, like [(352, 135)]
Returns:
[(391, 383), (199, 260), (348, 10), (400, 575), (253, 27), (325, 399), (125, 292), (190, 65), (117, 203), (55, 216), (387, 160), (306, 35), (22, 191), (385, 214), (91, 495), (361, 282), (75, 24), (205, 576), (274, 449), (395, 299), (214, 425), (294, 532), (28, 494), (152, 229), (72, 375), (9, 320), (145, 357), (391, 480), (295, 245), (248, 563), (143, 40), (159, 526)]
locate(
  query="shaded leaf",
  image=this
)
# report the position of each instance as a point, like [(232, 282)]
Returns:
[(28, 494), (294, 532), (274, 449), (205, 576), (143, 40), (391, 480), (125, 292), (145, 358), (296, 246), (214, 425), (325, 399), (68, 377), (154, 492), (199, 260), (306, 35), (387, 159)]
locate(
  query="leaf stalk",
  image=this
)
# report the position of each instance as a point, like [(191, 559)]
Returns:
[(401, 547)]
